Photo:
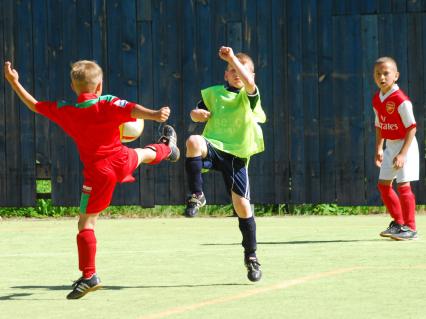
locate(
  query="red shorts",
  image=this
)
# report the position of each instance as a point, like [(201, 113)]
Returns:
[(101, 177)]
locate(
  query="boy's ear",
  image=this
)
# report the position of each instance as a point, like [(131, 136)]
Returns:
[(99, 87), (396, 76)]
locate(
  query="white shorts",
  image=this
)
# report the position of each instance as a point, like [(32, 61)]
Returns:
[(409, 172)]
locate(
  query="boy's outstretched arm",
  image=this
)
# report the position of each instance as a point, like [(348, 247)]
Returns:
[(141, 112), (227, 54), (12, 77)]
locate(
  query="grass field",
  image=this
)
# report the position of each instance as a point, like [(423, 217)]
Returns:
[(313, 267)]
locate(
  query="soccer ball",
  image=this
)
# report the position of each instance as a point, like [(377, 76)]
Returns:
[(130, 131)]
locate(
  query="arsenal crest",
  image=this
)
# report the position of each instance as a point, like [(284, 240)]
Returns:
[(390, 107)]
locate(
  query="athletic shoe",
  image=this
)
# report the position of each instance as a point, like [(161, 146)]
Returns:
[(193, 204), (82, 286), (406, 233), (169, 138), (394, 228), (253, 268)]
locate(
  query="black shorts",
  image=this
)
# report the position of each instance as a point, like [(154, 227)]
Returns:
[(233, 169)]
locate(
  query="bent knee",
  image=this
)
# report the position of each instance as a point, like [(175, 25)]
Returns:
[(194, 143)]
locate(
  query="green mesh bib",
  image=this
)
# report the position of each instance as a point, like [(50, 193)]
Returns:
[(233, 126)]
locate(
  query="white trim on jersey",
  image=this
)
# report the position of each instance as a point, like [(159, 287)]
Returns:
[(405, 110), (393, 89)]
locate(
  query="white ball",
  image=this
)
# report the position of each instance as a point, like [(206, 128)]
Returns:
[(130, 131)]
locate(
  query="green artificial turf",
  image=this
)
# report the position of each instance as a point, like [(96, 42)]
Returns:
[(313, 267)]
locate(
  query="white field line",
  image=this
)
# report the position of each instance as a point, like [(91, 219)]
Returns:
[(248, 293)]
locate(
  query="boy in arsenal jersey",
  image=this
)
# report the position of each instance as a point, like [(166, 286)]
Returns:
[(395, 124), (231, 136), (93, 123)]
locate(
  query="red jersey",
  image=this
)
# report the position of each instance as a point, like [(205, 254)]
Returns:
[(389, 118), (92, 123)]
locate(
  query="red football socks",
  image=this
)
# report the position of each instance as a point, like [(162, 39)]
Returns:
[(391, 201), (86, 243), (408, 205), (162, 152)]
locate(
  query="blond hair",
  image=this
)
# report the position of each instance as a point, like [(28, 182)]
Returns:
[(245, 59), (86, 74), (386, 59)]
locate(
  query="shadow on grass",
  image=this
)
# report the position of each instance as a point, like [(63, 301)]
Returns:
[(299, 242), (14, 296), (117, 287)]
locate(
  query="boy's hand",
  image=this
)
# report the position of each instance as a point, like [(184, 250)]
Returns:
[(398, 161), (10, 74), (200, 115), (226, 53), (379, 158), (162, 114)]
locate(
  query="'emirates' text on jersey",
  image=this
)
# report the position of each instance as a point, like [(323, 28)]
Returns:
[(394, 113)]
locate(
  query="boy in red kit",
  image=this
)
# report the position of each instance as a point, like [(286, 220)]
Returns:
[(395, 123), (93, 123)]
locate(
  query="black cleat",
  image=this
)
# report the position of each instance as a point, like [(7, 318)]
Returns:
[(406, 233), (169, 138), (82, 286), (394, 228), (193, 204), (253, 269)]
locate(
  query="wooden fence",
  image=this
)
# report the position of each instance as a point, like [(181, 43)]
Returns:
[(313, 61)]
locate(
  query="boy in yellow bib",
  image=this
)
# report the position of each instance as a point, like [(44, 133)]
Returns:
[(231, 136)]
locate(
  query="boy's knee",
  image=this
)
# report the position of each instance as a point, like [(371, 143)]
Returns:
[(194, 143)]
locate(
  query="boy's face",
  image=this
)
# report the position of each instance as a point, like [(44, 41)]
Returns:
[(232, 77), (385, 75)]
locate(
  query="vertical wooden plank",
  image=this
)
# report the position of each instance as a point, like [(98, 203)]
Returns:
[(123, 74), (4, 88), (369, 6), (349, 122), (399, 6), (416, 5), (159, 29), (65, 156), (220, 14), (144, 10), (167, 91), (190, 69), (393, 41), (56, 80), (41, 78), (420, 113), (24, 45), (347, 7), (327, 124), (12, 110), (416, 89), (146, 92), (261, 167), (206, 53), (370, 52), (99, 37), (295, 102), (400, 46), (385, 6), (234, 26), (249, 27), (279, 113), (310, 101), (174, 95), (234, 35)]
